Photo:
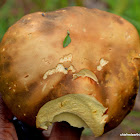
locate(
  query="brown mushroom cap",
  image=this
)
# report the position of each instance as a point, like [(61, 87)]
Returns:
[(99, 62)]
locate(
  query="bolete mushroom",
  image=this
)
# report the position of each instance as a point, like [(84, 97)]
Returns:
[(75, 64)]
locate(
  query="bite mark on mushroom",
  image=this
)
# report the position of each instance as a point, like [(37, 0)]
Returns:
[(71, 67), (59, 68), (103, 62), (66, 58), (86, 73)]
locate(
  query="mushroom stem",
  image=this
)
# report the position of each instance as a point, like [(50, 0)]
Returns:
[(64, 131)]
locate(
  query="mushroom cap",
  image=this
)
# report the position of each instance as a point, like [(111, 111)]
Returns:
[(99, 62)]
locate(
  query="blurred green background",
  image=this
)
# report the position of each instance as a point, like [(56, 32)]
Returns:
[(13, 10)]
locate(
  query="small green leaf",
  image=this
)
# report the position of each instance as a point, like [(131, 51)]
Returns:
[(67, 40)]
